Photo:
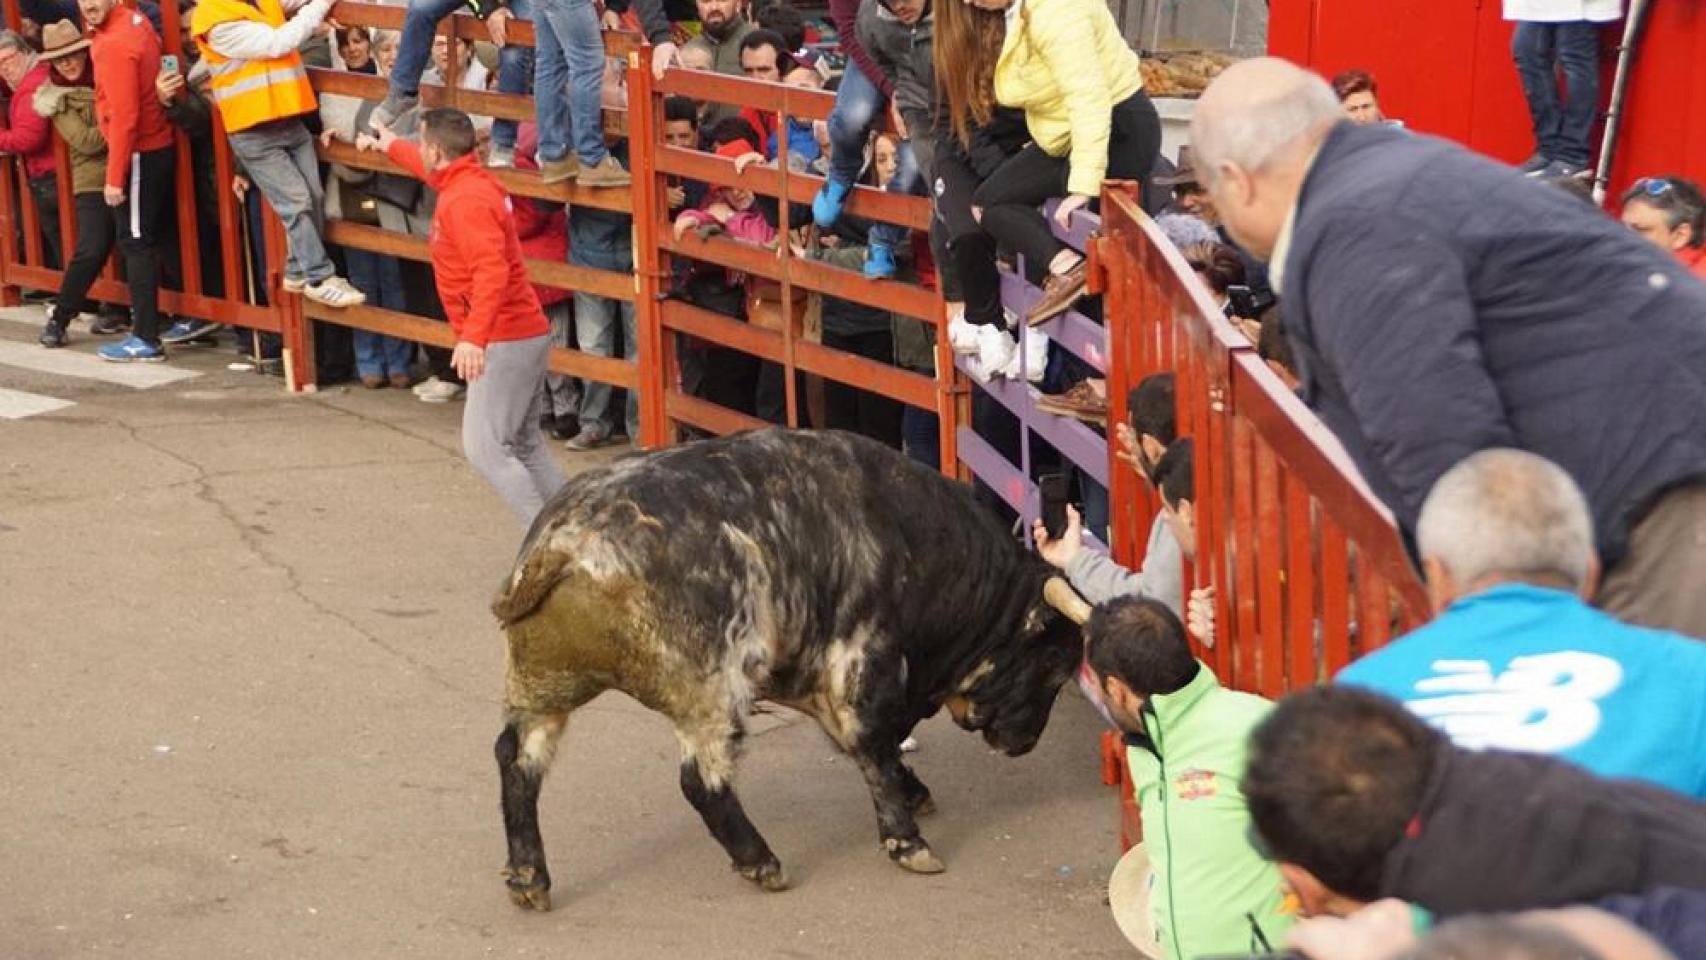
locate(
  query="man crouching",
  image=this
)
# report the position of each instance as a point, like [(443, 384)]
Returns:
[(502, 335)]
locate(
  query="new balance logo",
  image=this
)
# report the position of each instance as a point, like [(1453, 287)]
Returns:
[(1547, 703)]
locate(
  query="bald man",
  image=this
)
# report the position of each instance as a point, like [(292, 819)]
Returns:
[(1438, 304)]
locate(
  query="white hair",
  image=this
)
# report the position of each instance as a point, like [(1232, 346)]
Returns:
[(1184, 230), (1511, 514), (1252, 130)]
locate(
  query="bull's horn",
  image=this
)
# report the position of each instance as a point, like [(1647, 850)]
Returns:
[(1062, 597)]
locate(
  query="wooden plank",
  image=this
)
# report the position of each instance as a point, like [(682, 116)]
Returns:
[(863, 373), (170, 301), (1303, 657), (484, 103), (1242, 639), (1335, 598), (385, 16), (707, 415), (715, 328), (868, 202), (549, 273), (518, 182), (1270, 558), (1374, 607), (914, 302)]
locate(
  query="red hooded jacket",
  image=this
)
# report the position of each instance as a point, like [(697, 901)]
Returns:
[(126, 58), (544, 233), (476, 254), (29, 134)]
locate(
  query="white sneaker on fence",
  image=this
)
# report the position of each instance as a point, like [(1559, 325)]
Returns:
[(1036, 354), (334, 292), (997, 352)]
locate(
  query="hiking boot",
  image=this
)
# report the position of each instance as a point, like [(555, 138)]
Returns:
[(608, 173), (879, 262), (558, 171), (52, 335), (132, 349), (392, 107), (501, 158), (1060, 292), (826, 206), (334, 292), (1534, 166)]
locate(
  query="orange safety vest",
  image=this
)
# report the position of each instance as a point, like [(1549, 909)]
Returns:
[(252, 92)]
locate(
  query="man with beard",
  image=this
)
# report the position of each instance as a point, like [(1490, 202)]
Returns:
[(724, 26), (1185, 734)]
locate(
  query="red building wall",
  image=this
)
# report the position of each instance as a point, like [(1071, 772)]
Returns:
[(1445, 68)]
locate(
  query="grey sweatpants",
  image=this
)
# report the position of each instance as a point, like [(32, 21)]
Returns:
[(500, 426)]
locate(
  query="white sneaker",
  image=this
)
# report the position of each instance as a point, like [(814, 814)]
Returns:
[(424, 385), (997, 352), (439, 391), (962, 336), (1036, 354), (334, 292)]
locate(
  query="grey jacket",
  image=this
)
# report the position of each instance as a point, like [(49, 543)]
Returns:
[(904, 54), (1099, 579)]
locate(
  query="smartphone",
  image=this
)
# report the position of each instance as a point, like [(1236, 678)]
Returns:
[(1054, 488), (168, 63)]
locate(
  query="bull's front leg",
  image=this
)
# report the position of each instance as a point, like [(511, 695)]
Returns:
[(898, 796)]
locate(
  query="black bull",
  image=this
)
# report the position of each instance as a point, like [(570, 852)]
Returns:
[(822, 571)]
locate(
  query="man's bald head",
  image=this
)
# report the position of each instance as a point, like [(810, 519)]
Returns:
[(1254, 131)]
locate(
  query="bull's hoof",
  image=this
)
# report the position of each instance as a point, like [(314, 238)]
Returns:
[(528, 890), (915, 856), (769, 876)]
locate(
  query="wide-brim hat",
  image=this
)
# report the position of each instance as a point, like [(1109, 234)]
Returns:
[(1129, 895), (1185, 171), (61, 39)]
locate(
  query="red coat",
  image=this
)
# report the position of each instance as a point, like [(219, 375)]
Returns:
[(29, 134), (126, 58), (476, 253), (544, 234)]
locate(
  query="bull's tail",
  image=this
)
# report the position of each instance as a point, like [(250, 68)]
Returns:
[(530, 583)]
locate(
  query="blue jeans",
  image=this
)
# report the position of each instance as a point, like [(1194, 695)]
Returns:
[(570, 54), (1561, 126), (279, 160), (595, 328), (381, 278), (858, 104), (515, 64), (921, 435)]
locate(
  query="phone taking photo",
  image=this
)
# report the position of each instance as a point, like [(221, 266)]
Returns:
[(1055, 489), (168, 63)]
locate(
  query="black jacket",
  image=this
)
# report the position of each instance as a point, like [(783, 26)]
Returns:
[(1502, 831), (1439, 303)]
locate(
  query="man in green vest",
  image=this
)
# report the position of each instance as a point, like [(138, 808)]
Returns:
[(1212, 892)]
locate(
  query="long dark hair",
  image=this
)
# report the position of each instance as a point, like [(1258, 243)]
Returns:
[(967, 44)]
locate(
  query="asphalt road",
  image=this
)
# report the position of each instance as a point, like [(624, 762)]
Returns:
[(249, 690)]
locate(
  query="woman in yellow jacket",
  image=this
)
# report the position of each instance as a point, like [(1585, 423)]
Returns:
[(1065, 64)]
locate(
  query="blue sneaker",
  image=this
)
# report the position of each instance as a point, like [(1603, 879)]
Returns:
[(188, 330), (826, 206), (879, 262), (132, 349)]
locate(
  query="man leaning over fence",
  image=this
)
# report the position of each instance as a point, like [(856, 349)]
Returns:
[(263, 93)]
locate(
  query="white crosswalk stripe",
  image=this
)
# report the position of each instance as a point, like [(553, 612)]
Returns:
[(16, 404), (69, 363)]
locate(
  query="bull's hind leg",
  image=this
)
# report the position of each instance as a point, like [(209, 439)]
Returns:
[(708, 753), (524, 750)]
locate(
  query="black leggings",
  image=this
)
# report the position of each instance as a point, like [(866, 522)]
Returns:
[(1010, 198), (968, 270)]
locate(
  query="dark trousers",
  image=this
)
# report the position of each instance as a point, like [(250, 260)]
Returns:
[(140, 222), (849, 408), (97, 231), (45, 191), (1010, 198), (922, 434), (1561, 125), (968, 272)]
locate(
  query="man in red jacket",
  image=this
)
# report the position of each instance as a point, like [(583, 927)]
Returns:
[(502, 336), (29, 135), (140, 167)]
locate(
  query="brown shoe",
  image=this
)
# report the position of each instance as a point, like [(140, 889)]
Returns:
[(608, 173), (1060, 292), (557, 171), (1081, 402), (400, 381), (372, 381)]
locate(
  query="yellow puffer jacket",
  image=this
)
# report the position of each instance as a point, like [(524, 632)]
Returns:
[(1066, 65)]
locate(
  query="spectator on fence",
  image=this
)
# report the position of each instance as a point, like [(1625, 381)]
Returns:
[(1515, 658), (67, 100), (1553, 37), (385, 50), (1357, 800), (569, 80), (264, 96), (502, 337), (1143, 444), (723, 28), (895, 37), (1452, 350), (1185, 735), (355, 49), (1066, 64), (28, 136), (1359, 95), (1670, 212), (140, 171), (471, 74), (681, 130), (603, 240)]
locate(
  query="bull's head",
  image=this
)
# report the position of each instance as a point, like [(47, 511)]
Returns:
[(1010, 694)]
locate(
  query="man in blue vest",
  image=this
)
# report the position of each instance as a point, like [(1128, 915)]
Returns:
[(1517, 659)]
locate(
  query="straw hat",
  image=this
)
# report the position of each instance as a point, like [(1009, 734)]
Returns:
[(60, 39), (1129, 897)]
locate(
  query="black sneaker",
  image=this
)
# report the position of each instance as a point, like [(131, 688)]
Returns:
[(189, 330), (110, 323), (564, 427), (52, 335), (1535, 166)]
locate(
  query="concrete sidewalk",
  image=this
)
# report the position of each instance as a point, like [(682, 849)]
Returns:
[(249, 692)]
